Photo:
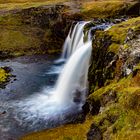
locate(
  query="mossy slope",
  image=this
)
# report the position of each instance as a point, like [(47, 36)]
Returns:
[(109, 8), (33, 31), (114, 81), (119, 114)]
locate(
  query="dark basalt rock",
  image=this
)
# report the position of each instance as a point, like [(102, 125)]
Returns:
[(4, 55), (94, 107), (3, 113), (7, 69), (94, 133), (101, 67), (134, 10), (86, 108)]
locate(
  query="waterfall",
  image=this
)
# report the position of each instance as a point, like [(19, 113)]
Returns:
[(53, 105), (72, 82)]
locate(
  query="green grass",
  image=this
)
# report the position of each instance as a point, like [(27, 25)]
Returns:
[(66, 132), (19, 40)]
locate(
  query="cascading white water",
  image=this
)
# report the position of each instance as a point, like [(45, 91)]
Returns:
[(74, 75), (74, 40), (73, 80)]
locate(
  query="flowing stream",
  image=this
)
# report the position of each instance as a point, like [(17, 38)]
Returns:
[(46, 94)]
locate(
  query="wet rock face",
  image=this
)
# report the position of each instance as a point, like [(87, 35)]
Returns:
[(132, 54), (4, 55), (103, 62)]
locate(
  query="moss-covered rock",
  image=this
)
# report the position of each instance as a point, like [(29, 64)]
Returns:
[(115, 53), (4, 76), (118, 115), (33, 31), (118, 95)]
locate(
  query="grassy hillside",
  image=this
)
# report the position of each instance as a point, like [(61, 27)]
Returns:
[(107, 8), (20, 4)]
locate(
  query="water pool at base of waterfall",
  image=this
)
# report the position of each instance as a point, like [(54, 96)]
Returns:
[(24, 107)]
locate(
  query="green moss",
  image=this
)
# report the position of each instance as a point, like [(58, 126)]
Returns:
[(3, 76), (119, 118), (137, 67), (127, 124), (132, 98), (10, 20), (19, 41), (125, 46), (114, 48), (119, 31)]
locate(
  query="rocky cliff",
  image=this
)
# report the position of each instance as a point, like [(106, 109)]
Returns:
[(114, 82)]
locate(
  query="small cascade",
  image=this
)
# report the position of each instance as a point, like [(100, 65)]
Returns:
[(74, 40)]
